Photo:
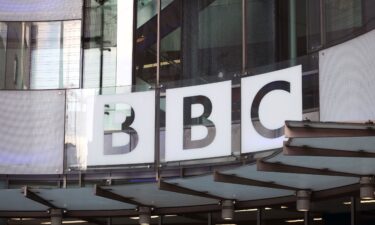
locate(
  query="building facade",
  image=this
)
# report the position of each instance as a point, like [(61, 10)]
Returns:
[(187, 111)]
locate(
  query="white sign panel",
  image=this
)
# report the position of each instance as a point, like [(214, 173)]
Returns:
[(267, 100), (346, 80), (198, 122), (123, 130)]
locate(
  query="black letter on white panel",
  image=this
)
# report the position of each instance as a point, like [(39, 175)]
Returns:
[(202, 120), (258, 126), (125, 128)]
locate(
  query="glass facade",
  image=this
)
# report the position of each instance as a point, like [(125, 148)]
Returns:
[(99, 44), (176, 43), (199, 40), (40, 55)]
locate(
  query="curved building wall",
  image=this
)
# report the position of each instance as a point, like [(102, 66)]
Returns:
[(202, 42), (211, 101)]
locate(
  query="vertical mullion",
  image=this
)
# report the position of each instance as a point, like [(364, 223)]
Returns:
[(157, 94), (134, 58), (292, 31), (82, 42), (322, 24), (101, 47), (259, 216), (158, 44), (244, 35), (353, 211), (160, 221), (307, 218)]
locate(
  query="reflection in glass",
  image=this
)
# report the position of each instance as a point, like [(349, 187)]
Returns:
[(40, 55), (100, 41), (261, 37), (55, 55), (343, 17), (17, 56), (145, 42), (198, 39), (3, 43), (219, 39)]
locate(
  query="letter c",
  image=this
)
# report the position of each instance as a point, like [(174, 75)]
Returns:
[(254, 112)]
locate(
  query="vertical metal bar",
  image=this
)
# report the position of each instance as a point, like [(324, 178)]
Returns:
[(134, 58), (83, 20), (157, 94), (306, 216), (308, 28), (353, 211), (209, 219), (158, 44), (65, 152), (244, 35), (322, 24), (160, 221), (23, 34), (292, 32), (61, 61), (157, 132), (109, 221), (259, 216), (101, 47)]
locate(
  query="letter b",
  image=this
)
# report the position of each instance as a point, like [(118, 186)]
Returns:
[(124, 140), (201, 120)]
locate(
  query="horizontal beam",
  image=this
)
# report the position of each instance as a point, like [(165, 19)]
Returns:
[(295, 132), (24, 214), (36, 198), (98, 191), (232, 179), (188, 209), (285, 168), (182, 190), (266, 202), (101, 213), (308, 151)]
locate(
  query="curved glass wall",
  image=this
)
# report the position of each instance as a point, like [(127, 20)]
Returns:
[(199, 39)]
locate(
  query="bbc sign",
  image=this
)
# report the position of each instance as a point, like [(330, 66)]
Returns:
[(198, 120)]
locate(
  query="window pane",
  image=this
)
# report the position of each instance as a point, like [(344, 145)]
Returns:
[(342, 18), (97, 41), (3, 43), (198, 39), (55, 54)]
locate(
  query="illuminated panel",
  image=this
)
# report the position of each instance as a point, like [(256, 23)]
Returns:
[(32, 132)]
